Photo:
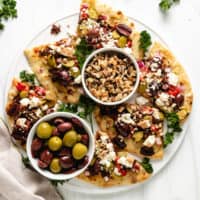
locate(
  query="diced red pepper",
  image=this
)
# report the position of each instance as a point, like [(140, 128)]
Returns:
[(40, 91), (154, 128), (129, 43), (174, 91), (22, 86), (142, 66), (123, 172), (84, 16)]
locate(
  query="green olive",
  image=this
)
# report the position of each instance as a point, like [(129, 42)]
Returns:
[(122, 42), (79, 151), (75, 71), (142, 88), (55, 165), (138, 136), (51, 61), (23, 94), (70, 138), (115, 35), (44, 130), (54, 143)]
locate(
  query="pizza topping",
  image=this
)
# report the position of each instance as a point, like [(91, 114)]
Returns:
[(150, 141), (55, 29), (172, 79), (141, 100), (21, 122), (124, 29)]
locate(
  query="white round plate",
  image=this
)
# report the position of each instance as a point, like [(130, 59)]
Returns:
[(68, 25)]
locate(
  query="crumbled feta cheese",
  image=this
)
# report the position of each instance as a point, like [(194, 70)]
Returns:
[(126, 118), (150, 141), (25, 101), (45, 107), (127, 162), (21, 122), (156, 114), (163, 99), (172, 79), (35, 102), (38, 112), (116, 171), (141, 100), (159, 72), (127, 50), (78, 79), (154, 66)]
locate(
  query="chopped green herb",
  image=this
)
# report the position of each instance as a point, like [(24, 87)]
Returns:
[(82, 51), (25, 161), (165, 5), (68, 108), (56, 182), (27, 77), (7, 10), (145, 41), (147, 165), (173, 126)]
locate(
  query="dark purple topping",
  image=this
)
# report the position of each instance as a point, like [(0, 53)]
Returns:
[(55, 29), (147, 151), (119, 142), (94, 169), (122, 129), (13, 109), (66, 162), (36, 144), (46, 156), (124, 29)]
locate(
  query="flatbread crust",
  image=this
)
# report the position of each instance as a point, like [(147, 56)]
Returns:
[(178, 69), (67, 94), (130, 178), (106, 124)]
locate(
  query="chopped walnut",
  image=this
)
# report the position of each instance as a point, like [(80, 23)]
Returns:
[(110, 77)]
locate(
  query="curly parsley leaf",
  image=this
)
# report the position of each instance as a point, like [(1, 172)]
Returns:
[(82, 51), (165, 5), (56, 182), (27, 77), (25, 161), (68, 108), (145, 41), (173, 127), (147, 165), (7, 11)]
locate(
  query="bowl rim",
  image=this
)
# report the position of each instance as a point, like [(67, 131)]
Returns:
[(47, 173), (118, 50)]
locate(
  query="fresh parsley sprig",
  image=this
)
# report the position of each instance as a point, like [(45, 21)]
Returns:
[(7, 11), (165, 5), (173, 127), (147, 165), (145, 41), (27, 77), (83, 108), (83, 49)]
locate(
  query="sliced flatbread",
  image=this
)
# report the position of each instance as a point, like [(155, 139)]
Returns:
[(131, 176)]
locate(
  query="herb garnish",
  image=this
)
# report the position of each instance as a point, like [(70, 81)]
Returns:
[(27, 77), (173, 126), (56, 182), (7, 10), (25, 161), (145, 40), (147, 165), (82, 51), (165, 5), (83, 108)]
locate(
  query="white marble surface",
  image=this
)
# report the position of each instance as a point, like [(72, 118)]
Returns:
[(180, 29)]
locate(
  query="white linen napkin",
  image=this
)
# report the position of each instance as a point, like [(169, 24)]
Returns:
[(16, 181)]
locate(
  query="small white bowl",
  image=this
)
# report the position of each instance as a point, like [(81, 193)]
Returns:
[(119, 51), (34, 161)]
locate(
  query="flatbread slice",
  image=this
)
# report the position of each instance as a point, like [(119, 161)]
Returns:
[(164, 80), (56, 69), (26, 103), (122, 168), (144, 138)]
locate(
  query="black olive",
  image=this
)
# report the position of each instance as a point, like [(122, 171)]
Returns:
[(147, 151), (179, 99), (122, 129), (119, 141)]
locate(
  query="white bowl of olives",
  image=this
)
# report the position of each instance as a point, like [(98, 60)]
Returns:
[(60, 146)]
